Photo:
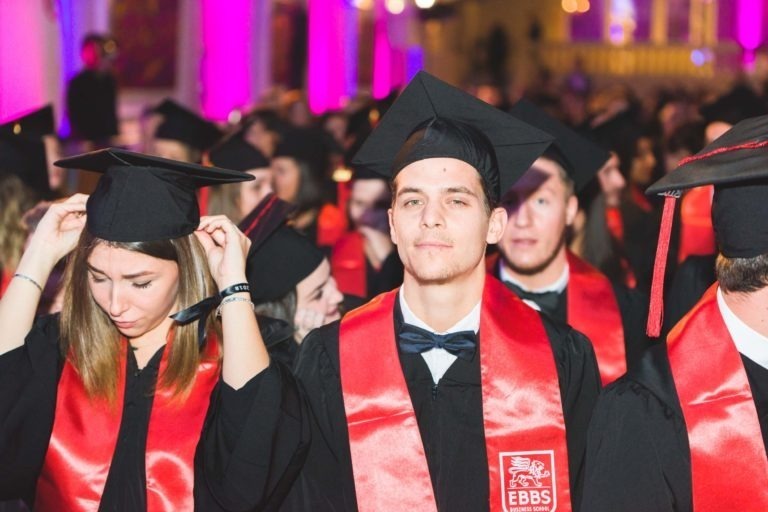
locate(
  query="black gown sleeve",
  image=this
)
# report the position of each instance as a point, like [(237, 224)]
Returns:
[(633, 306), (253, 445), (28, 379), (638, 458)]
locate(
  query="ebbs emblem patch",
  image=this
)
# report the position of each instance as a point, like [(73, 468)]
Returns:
[(528, 481)]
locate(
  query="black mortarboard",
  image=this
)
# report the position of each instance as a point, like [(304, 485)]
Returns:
[(738, 104), (307, 145), (620, 134), (22, 151), (433, 119), (582, 157), (142, 198), (279, 257), (736, 164), (183, 125), (235, 153)]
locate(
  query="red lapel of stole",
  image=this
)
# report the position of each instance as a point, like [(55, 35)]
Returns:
[(348, 264), (729, 468), (593, 310), (85, 434), (331, 224), (5, 280), (523, 414), (697, 236)]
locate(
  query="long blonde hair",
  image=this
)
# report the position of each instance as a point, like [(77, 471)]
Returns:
[(14, 201), (91, 341)]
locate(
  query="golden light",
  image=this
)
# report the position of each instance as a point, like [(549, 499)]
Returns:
[(425, 4), (582, 6), (569, 6), (365, 5), (395, 6)]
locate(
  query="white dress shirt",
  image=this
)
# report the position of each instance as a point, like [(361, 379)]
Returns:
[(558, 286)]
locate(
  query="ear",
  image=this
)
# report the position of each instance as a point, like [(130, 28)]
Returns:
[(392, 230), (496, 224), (571, 209)]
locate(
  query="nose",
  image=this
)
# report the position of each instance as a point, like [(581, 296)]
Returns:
[(521, 217), (335, 297), (117, 303), (432, 215)]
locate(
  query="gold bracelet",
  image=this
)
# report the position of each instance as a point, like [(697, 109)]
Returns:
[(233, 298), (27, 278)]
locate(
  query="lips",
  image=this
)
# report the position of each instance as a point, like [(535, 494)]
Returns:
[(123, 325), (433, 244)]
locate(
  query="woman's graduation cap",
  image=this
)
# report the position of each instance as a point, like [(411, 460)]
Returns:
[(183, 125), (141, 198), (580, 157), (235, 153), (432, 119), (737, 165)]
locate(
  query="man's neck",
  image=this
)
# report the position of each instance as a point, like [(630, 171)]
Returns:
[(751, 308), (442, 305), (542, 279)]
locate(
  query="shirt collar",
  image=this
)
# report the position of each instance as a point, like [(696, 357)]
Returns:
[(558, 286), (471, 322), (748, 341)]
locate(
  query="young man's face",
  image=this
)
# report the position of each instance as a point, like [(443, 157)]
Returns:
[(540, 206), (439, 221)]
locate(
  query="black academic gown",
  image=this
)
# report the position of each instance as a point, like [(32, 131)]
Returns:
[(633, 308), (244, 427), (638, 457), (388, 277), (449, 416), (693, 277)]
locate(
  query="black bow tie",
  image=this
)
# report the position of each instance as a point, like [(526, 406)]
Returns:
[(415, 340), (547, 301)]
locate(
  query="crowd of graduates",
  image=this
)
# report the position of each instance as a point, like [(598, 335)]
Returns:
[(314, 200)]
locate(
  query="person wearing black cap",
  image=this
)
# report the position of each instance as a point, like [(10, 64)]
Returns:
[(182, 134), (235, 201), (291, 277), (687, 428), (536, 264), (134, 398), (364, 260), (410, 410)]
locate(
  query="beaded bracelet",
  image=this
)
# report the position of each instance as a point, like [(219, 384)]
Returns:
[(234, 299), (27, 278)]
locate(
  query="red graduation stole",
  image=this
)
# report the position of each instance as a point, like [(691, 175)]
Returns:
[(697, 236), (523, 413), (593, 310), (5, 280), (729, 468), (85, 435), (348, 264), (331, 224)]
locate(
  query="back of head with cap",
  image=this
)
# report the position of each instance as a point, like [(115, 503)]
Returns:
[(22, 151), (432, 119)]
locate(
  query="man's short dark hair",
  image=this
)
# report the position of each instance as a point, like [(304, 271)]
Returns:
[(742, 274)]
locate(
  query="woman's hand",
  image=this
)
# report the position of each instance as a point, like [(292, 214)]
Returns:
[(59, 229), (306, 320), (226, 248)]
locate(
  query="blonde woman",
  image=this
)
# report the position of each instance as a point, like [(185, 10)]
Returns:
[(134, 397)]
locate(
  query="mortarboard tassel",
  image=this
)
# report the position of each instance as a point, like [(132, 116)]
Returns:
[(656, 307)]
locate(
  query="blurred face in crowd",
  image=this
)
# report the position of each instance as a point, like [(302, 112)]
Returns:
[(56, 175), (91, 54), (440, 221), (261, 138), (287, 177), (252, 192), (366, 199), (137, 291), (174, 150), (643, 164), (715, 130), (611, 181), (318, 298), (540, 205), (336, 125)]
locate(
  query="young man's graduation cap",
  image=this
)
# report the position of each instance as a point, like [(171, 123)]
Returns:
[(235, 153), (279, 258), (736, 105), (579, 157), (432, 119), (737, 165), (22, 151), (142, 198), (183, 125)]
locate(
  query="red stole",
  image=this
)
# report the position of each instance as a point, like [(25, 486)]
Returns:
[(593, 310), (348, 264), (331, 224), (697, 236), (5, 280), (85, 435), (523, 414), (729, 468)]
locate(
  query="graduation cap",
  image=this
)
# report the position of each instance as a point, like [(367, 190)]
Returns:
[(141, 198), (738, 104), (235, 153), (22, 151), (582, 158), (737, 165), (433, 119), (183, 125), (279, 257), (308, 145)]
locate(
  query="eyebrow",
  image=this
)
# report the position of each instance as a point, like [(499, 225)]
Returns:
[(126, 276), (319, 287), (447, 190)]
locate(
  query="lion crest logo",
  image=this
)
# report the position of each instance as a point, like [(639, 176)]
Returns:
[(528, 481)]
